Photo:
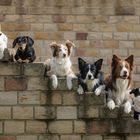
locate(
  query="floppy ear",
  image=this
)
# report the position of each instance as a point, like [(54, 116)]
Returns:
[(130, 60), (30, 41), (54, 47), (81, 63), (70, 46), (98, 64), (15, 42)]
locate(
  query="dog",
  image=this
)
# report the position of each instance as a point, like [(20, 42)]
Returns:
[(60, 63), (90, 78), (3, 44), (118, 84), (25, 52), (136, 100)]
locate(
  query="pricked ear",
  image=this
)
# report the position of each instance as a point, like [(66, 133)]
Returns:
[(30, 41), (81, 63), (115, 60), (98, 64), (70, 46), (15, 42), (130, 60)]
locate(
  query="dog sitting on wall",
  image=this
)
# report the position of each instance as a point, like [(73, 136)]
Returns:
[(25, 52), (3, 44), (90, 78), (60, 63), (118, 84)]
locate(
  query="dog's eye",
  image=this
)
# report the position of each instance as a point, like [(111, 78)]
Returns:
[(120, 67)]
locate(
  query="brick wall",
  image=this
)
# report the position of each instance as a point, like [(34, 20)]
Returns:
[(99, 28), (30, 109)]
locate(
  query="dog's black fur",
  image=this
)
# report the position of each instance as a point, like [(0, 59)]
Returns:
[(90, 73), (136, 93), (26, 55)]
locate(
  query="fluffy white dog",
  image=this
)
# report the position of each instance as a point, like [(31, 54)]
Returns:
[(3, 44)]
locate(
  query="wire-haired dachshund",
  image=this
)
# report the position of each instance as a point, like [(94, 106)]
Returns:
[(25, 53)]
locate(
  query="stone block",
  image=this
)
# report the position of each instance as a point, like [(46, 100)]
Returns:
[(45, 113), (26, 137), (15, 83), (22, 112), (27, 97), (14, 127), (34, 69), (8, 98), (5, 112), (60, 127), (36, 127), (79, 126), (88, 112), (66, 112)]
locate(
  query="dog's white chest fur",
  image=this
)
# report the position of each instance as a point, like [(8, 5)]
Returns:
[(61, 67), (91, 84), (122, 91)]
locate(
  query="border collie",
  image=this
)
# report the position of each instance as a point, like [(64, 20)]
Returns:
[(136, 99), (90, 78), (118, 84), (60, 63)]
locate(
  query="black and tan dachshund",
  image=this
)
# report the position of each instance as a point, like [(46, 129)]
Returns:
[(25, 52)]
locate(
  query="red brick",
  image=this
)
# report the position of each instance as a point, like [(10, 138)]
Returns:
[(15, 83), (7, 138), (59, 19), (81, 36), (98, 127)]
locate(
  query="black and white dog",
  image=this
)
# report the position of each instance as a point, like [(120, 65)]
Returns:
[(90, 78), (136, 99)]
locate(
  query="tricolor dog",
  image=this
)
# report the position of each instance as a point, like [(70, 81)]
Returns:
[(90, 78), (60, 63), (118, 84)]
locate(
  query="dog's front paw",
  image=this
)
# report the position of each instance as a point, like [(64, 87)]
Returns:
[(99, 90), (54, 81), (25, 61), (19, 60), (127, 107), (80, 90), (111, 104), (69, 82)]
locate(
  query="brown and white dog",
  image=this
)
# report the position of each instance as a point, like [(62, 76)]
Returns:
[(119, 83), (60, 63)]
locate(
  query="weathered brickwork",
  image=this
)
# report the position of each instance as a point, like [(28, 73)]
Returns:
[(29, 108)]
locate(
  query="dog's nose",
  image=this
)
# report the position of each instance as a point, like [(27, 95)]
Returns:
[(64, 55), (89, 76), (125, 72)]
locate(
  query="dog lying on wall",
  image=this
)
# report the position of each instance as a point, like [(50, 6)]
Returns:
[(90, 78), (25, 52), (60, 63), (118, 84)]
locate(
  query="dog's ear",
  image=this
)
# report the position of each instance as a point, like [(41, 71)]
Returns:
[(115, 60), (135, 91), (15, 42), (30, 41), (81, 63), (70, 46), (98, 64), (54, 47), (130, 60)]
